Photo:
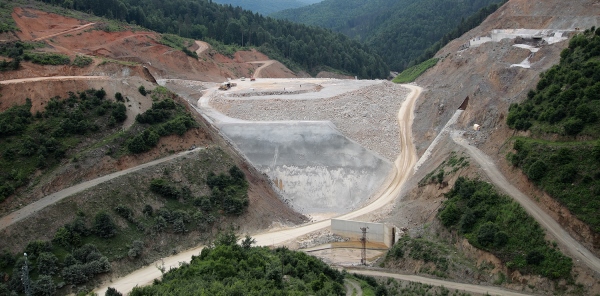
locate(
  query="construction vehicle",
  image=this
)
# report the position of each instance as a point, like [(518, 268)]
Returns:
[(226, 85)]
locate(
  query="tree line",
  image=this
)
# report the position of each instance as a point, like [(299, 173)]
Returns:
[(402, 32), (304, 46)]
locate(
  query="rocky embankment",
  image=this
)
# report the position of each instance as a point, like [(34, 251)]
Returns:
[(368, 116)]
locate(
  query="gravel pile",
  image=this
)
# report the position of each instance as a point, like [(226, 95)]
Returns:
[(320, 238), (367, 116)]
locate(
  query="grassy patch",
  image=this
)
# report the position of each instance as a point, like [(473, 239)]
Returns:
[(82, 61), (446, 168), (428, 251), (412, 73), (177, 42), (499, 225), (47, 58)]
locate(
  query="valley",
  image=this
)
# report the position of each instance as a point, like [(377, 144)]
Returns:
[(277, 154)]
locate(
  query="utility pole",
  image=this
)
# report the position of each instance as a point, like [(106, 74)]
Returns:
[(363, 239), (25, 277)]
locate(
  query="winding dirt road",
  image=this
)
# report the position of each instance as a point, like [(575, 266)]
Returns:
[(64, 32), (403, 168), (202, 47), (576, 249), (259, 69), (51, 199), (484, 290), (54, 78)]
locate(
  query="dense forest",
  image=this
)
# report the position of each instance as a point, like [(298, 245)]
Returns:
[(400, 31), (299, 46), (562, 153), (266, 7)]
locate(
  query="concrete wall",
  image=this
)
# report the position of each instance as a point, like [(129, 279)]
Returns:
[(315, 167), (377, 232)]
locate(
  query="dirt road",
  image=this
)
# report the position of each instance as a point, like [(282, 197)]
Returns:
[(51, 199), (485, 290), (54, 78), (202, 47), (402, 170), (264, 65), (576, 250), (64, 32)]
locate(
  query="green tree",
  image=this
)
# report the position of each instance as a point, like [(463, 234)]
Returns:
[(104, 226)]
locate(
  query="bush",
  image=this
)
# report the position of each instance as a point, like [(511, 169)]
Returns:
[(112, 292), (136, 249), (104, 226), (82, 61), (47, 58), (163, 188), (142, 90)]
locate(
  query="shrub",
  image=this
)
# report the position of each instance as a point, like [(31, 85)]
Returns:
[(119, 97), (142, 90), (82, 61), (136, 249), (163, 188), (104, 226), (112, 292)]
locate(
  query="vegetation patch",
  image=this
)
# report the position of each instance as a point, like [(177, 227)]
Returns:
[(149, 216), (412, 73), (564, 107), (499, 225), (82, 61), (38, 142), (446, 168), (180, 43), (47, 58), (7, 24), (425, 250), (568, 171), (227, 268), (163, 119)]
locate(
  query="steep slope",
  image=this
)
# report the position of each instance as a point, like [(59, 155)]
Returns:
[(400, 31), (486, 70)]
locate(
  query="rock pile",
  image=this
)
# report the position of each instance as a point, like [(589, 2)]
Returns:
[(368, 115)]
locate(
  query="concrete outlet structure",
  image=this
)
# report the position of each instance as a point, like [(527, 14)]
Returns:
[(377, 232)]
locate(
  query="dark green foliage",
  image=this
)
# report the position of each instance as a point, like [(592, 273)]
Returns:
[(29, 142), (231, 269), (47, 263), (104, 226), (112, 292), (87, 262), (47, 58), (499, 225), (119, 97), (43, 286), (566, 99), (164, 188), (228, 192), (304, 46), (403, 32), (569, 172), (136, 249), (166, 118), (14, 64), (142, 90), (125, 212)]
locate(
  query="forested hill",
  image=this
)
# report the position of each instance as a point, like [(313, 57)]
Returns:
[(399, 30), (298, 46), (266, 7)]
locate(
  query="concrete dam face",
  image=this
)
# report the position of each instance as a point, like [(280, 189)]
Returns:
[(315, 167)]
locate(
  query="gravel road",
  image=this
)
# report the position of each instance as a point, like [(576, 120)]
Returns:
[(576, 250)]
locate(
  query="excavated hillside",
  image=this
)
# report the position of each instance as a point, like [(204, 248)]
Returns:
[(124, 60), (487, 77)]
